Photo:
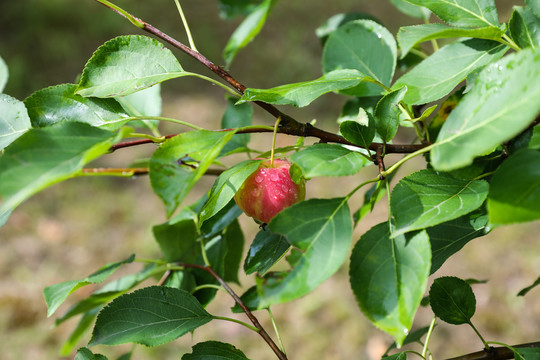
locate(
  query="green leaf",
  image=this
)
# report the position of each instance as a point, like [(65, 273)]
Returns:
[(42, 157), (247, 30), (338, 20), (267, 248), (535, 138), (449, 237), (225, 187), (250, 298), (214, 350), (527, 353), (221, 220), (463, 13), (322, 230), (60, 103), (375, 193), (411, 10), (229, 9), (452, 300), (107, 293), (303, 93), (389, 276), (14, 120), (127, 64), (346, 49), (150, 316), (388, 114), (427, 198), (440, 73), (524, 291), (146, 102), (4, 74), (178, 238), (84, 324), (524, 27), (170, 178), (398, 356), (502, 103), (86, 354), (514, 194), (409, 36), (236, 116), (534, 5), (56, 294), (359, 131), (413, 337), (328, 160), (233, 248)]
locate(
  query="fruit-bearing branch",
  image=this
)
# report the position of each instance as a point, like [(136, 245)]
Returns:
[(288, 125)]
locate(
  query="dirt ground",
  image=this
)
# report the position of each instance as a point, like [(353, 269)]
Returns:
[(69, 230)]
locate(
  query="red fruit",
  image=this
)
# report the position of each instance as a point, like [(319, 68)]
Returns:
[(269, 190)]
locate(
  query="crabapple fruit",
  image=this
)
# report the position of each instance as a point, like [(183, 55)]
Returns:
[(269, 190)]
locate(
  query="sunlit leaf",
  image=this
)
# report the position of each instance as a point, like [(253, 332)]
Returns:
[(409, 36), (346, 47), (60, 103), (303, 93), (440, 73), (42, 157), (502, 103), (463, 13), (127, 64), (328, 160), (172, 179), (427, 198), (360, 130), (338, 20), (225, 187), (14, 120), (388, 114)]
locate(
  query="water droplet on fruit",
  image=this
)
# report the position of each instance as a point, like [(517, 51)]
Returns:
[(255, 192), (285, 188), (259, 179), (274, 177)]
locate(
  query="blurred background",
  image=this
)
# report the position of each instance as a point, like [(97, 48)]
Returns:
[(69, 230)]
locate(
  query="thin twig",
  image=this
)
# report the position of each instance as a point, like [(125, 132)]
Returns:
[(262, 332), (288, 124)]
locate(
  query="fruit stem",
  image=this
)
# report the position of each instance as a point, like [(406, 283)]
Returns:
[(274, 141)]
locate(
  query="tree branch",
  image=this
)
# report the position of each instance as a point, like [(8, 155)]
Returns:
[(288, 125), (495, 353), (262, 332)]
